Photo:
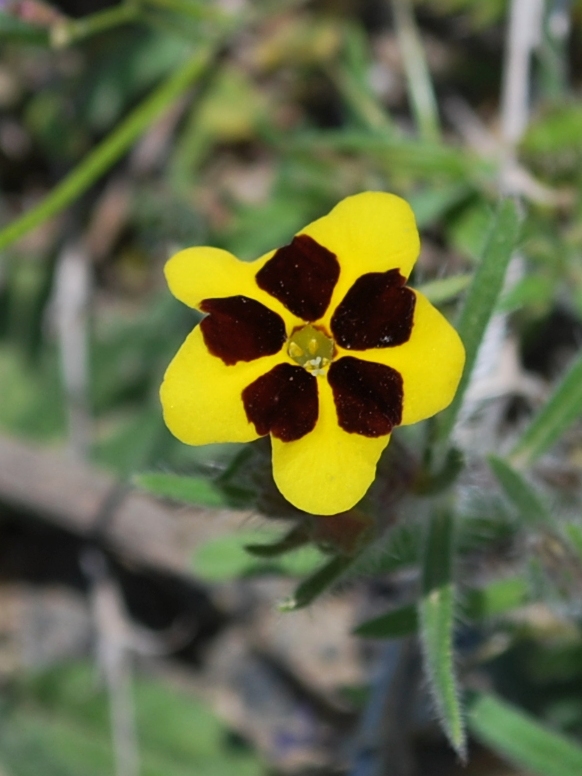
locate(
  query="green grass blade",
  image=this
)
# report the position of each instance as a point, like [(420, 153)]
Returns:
[(436, 618), (522, 740), (73, 30), (519, 492), (190, 490), (481, 299), (106, 153), (445, 289), (420, 87), (555, 417)]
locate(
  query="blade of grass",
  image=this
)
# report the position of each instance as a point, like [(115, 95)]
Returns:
[(415, 157), (522, 740), (72, 30), (519, 492), (554, 418), (436, 620), (481, 299), (420, 88), (106, 153), (445, 289)]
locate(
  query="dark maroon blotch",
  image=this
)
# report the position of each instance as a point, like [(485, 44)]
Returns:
[(377, 312), (302, 276), (238, 328), (368, 396), (283, 402)]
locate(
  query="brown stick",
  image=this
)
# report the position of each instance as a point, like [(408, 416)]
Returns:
[(51, 485)]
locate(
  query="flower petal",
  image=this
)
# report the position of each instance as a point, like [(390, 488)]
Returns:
[(282, 402), (328, 470), (369, 232), (368, 396), (377, 312), (431, 362), (301, 275), (241, 329), (202, 397), (199, 273)]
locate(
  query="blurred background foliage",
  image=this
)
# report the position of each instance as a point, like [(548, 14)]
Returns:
[(130, 130)]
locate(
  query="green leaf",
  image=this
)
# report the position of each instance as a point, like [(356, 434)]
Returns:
[(432, 203), (561, 410), (191, 490), (444, 290), (522, 740), (481, 300), (519, 491), (436, 618), (296, 537), (494, 599), (226, 558), (402, 621), (317, 583)]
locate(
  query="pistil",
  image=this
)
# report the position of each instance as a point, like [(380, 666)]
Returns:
[(312, 348)]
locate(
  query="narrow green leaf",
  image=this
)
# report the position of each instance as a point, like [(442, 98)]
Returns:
[(521, 739), (317, 583), (432, 203), (519, 491), (481, 300), (399, 622), (561, 410), (494, 599), (72, 30), (225, 558), (445, 289), (296, 537), (104, 155), (436, 618), (428, 483), (418, 79), (191, 490)]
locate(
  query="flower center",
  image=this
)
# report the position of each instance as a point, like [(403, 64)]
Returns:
[(312, 349)]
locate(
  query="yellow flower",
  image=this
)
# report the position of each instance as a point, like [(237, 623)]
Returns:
[(319, 344)]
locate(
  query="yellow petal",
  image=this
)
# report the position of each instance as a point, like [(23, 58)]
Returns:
[(369, 232), (431, 362), (201, 396), (328, 470), (201, 273)]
